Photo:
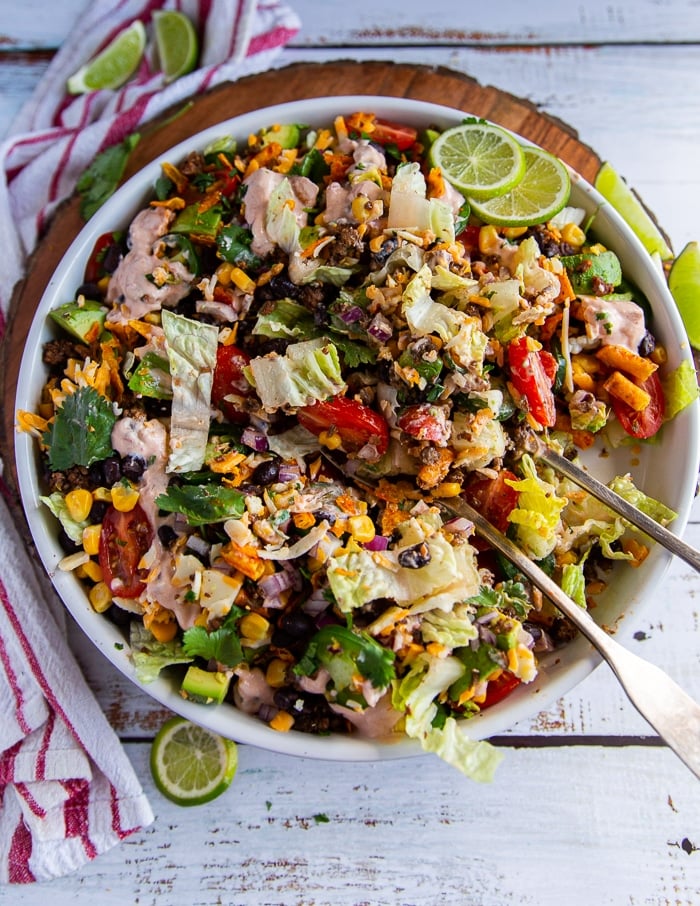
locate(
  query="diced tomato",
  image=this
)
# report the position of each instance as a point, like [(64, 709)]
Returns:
[(124, 539), (388, 133), (493, 498), (530, 372), (499, 688), (94, 269), (229, 379), (356, 424), (469, 237), (425, 422), (647, 422)]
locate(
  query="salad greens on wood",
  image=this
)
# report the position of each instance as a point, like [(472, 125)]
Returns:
[(328, 289)]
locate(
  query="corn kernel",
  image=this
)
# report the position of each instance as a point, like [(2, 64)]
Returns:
[(276, 673), (103, 494), (489, 240), (124, 497), (361, 528), (282, 722), (78, 503), (573, 235), (100, 597), (514, 232), (242, 280), (659, 356), (330, 439), (91, 539), (447, 489), (92, 570), (253, 626), (304, 520)]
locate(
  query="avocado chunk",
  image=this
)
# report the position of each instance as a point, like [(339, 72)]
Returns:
[(204, 687), (588, 272), (287, 136), (84, 320)]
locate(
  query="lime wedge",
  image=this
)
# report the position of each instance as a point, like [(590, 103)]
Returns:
[(615, 190), (479, 159), (114, 65), (176, 42), (684, 283), (190, 764), (541, 193)]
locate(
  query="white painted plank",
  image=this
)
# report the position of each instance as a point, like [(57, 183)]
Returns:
[(621, 828), (334, 23)]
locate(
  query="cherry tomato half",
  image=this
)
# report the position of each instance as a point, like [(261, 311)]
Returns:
[(356, 424), (419, 421), (493, 498), (388, 133), (124, 539), (647, 422), (230, 379), (499, 688), (94, 268), (530, 372)]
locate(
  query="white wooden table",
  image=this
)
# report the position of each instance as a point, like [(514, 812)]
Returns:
[(588, 807)]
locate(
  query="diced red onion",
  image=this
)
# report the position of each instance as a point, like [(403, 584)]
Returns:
[(254, 439), (315, 604), (289, 471), (380, 328), (378, 543), (351, 314), (459, 524), (198, 545), (274, 584)]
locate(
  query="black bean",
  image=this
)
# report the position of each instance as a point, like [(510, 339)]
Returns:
[(167, 535), (266, 473), (90, 291), (648, 344), (415, 557), (67, 543), (97, 511), (296, 623), (133, 466), (112, 470), (111, 258)]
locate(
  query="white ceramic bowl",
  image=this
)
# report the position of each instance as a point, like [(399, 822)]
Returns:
[(667, 470)]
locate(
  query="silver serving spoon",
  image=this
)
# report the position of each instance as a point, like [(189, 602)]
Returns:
[(668, 709)]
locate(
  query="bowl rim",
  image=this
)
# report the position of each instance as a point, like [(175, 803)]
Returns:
[(554, 680)]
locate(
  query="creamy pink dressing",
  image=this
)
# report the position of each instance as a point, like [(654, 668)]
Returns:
[(134, 288), (618, 323), (259, 187)]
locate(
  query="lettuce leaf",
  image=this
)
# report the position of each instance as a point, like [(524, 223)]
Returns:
[(57, 504), (149, 656), (625, 487), (416, 693), (680, 389), (191, 347), (307, 372), (537, 515)]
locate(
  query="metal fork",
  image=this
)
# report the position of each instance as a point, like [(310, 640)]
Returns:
[(662, 703)]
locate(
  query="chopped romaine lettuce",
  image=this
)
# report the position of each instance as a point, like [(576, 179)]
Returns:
[(307, 372), (537, 515), (149, 656), (192, 349), (56, 502), (680, 389)]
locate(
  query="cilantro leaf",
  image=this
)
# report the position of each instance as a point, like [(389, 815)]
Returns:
[(101, 178), (510, 596), (222, 645), (346, 653), (81, 433), (233, 245), (203, 503), (354, 353)]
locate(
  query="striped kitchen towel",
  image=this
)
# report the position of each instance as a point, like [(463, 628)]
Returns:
[(67, 790)]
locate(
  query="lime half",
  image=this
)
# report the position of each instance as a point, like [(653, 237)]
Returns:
[(479, 159), (614, 189), (541, 193), (684, 283), (190, 764), (176, 42), (114, 65)]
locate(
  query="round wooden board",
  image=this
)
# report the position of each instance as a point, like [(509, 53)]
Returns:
[(302, 80)]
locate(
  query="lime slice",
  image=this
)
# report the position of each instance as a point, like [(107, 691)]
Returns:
[(192, 765), (114, 65), (541, 193), (684, 283), (479, 159), (177, 44), (615, 190)]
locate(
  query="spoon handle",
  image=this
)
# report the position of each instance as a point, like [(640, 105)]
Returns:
[(661, 702)]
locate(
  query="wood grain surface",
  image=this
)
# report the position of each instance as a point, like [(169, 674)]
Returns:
[(295, 82)]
